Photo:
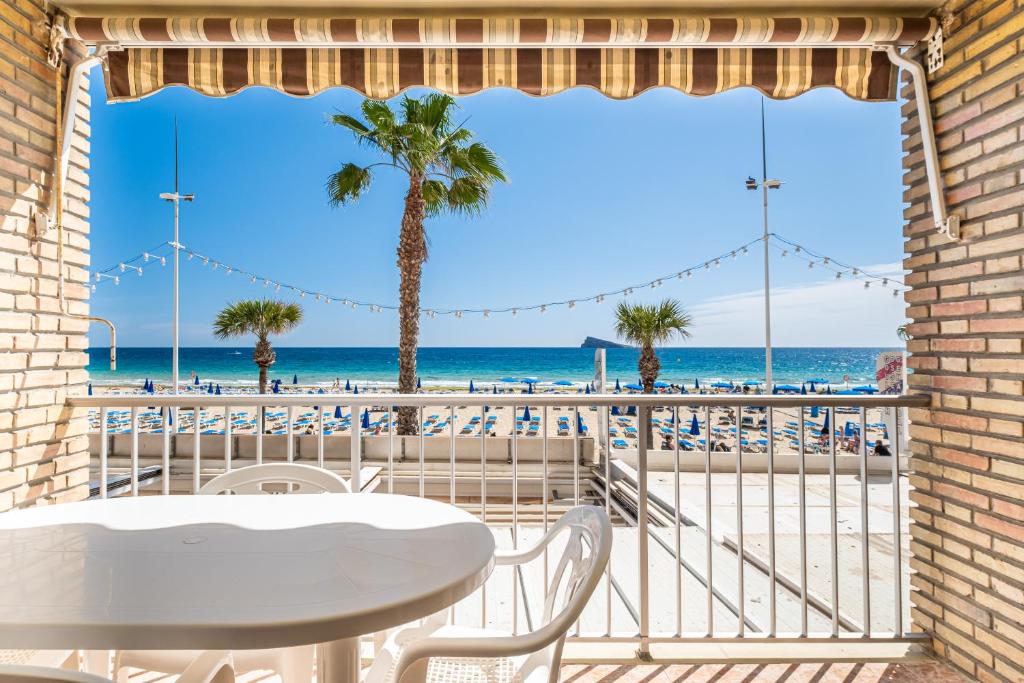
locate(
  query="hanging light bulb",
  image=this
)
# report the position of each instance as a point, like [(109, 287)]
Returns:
[(487, 314), (810, 265), (867, 284), (572, 304), (458, 314), (543, 308), (227, 271), (302, 295), (139, 271), (600, 298), (355, 306), (732, 254), (797, 250), (163, 261), (122, 266), (885, 281), (895, 292), (627, 291), (689, 273), (744, 250), (717, 263), (215, 265), (515, 312), (856, 272), (839, 275), (206, 261), (707, 265), (97, 277), (117, 280), (92, 288), (266, 282), (145, 257), (679, 275), (784, 253), (190, 255), (825, 260), (277, 287)]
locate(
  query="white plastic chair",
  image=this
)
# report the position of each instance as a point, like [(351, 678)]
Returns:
[(436, 652), (294, 664), (212, 667), (277, 477)]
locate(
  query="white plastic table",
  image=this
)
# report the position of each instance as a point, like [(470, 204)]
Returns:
[(233, 572)]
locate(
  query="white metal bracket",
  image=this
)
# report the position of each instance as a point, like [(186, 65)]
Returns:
[(945, 222), (934, 58)]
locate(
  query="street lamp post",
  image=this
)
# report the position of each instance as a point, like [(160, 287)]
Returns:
[(176, 198), (765, 185)]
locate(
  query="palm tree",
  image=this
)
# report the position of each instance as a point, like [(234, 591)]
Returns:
[(260, 317), (448, 172), (646, 326)]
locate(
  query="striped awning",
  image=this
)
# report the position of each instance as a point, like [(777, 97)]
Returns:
[(381, 56)]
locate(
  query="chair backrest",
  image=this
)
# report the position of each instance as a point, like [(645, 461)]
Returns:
[(276, 478), (15, 673)]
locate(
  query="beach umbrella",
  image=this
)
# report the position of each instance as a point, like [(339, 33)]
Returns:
[(696, 383), (816, 380), (694, 426), (295, 379), (510, 380), (618, 387), (563, 383), (494, 388), (631, 410), (814, 411), (145, 385), (419, 383), (828, 390), (751, 383), (865, 389), (348, 386), (197, 381), (526, 414), (661, 385), (217, 391), (586, 390), (274, 388), (847, 392), (364, 421), (472, 389), (529, 388), (634, 387), (337, 412), (775, 389), (355, 390), (682, 389), (579, 424), (721, 385), (824, 425), (615, 410), (90, 388), (792, 388), (813, 388), (803, 389)]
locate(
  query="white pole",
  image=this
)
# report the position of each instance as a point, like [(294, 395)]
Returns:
[(767, 285), (174, 323)]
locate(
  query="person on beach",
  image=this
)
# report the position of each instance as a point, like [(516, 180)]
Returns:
[(881, 449)]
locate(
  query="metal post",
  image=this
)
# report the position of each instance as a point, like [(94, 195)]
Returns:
[(644, 651), (767, 285), (356, 449)]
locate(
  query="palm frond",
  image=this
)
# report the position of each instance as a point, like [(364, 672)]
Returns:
[(468, 195), (435, 197), (259, 317), (649, 325), (347, 184)]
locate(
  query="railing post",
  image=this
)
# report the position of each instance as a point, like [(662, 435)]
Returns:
[(644, 651), (356, 449)]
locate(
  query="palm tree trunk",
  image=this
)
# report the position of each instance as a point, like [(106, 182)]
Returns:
[(412, 252), (263, 356), (649, 367)]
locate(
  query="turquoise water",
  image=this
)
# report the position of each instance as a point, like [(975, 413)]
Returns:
[(459, 365)]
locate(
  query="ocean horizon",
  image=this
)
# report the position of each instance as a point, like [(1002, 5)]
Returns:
[(456, 366)]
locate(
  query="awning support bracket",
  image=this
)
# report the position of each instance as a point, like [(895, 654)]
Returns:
[(945, 222)]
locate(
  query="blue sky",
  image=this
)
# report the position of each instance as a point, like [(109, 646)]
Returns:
[(602, 194)]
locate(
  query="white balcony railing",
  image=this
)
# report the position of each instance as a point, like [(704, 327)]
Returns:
[(743, 531)]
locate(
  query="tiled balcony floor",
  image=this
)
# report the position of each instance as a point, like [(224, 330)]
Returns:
[(874, 672), (927, 671)]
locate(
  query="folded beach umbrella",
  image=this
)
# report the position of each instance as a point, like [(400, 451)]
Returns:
[(348, 386), (828, 390), (803, 389), (364, 421), (355, 389), (197, 381), (526, 414), (337, 412), (775, 389), (494, 388), (694, 426), (615, 410), (824, 425), (586, 390), (90, 388), (529, 388), (631, 410), (295, 379), (275, 388), (472, 389), (813, 388), (580, 428), (419, 383), (696, 383), (618, 387), (217, 391), (814, 411)]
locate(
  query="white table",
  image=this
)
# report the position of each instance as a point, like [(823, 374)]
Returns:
[(233, 572)]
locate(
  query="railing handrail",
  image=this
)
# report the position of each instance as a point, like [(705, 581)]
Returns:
[(483, 399)]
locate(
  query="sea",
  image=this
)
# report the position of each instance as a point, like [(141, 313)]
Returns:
[(457, 366)]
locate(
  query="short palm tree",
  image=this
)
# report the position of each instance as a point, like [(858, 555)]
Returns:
[(448, 172), (262, 318), (647, 326)]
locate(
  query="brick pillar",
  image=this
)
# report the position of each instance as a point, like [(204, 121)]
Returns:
[(968, 448), (43, 447)]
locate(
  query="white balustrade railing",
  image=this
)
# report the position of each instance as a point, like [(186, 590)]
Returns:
[(697, 552)]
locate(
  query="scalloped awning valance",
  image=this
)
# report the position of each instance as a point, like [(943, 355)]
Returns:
[(381, 56)]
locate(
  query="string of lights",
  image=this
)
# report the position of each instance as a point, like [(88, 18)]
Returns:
[(158, 256)]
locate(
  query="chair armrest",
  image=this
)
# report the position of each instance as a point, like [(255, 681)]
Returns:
[(501, 646), (210, 666)]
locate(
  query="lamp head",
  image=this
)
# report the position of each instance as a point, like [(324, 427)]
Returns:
[(167, 196), (751, 183), (773, 184)]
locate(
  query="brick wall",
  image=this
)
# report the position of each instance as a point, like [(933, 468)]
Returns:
[(43, 447), (968, 449)]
